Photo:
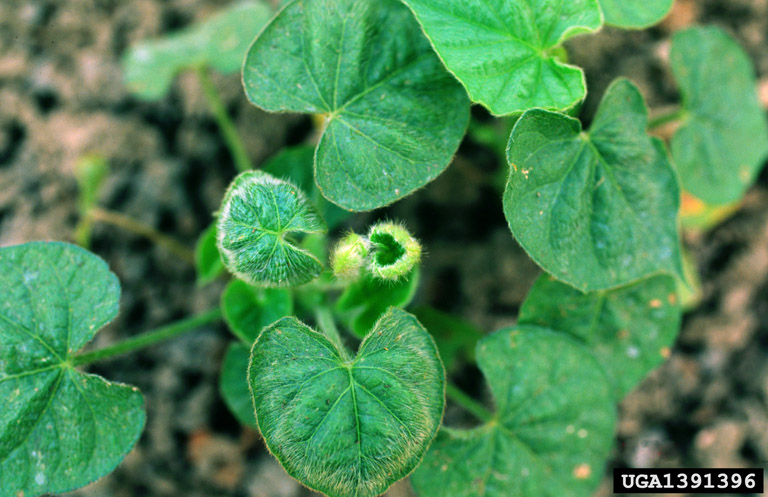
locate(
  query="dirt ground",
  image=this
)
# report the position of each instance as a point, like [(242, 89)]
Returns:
[(62, 96)]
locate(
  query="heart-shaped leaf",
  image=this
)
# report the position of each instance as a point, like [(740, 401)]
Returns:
[(233, 384), (552, 431), (220, 43), (635, 14), (723, 142), (348, 427), (502, 50), (60, 429), (629, 330), (394, 116), (248, 309), (257, 216), (597, 210)]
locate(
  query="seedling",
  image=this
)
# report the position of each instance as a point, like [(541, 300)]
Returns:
[(392, 82)]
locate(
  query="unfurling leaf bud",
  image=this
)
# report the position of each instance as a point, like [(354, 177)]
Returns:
[(349, 256), (395, 251)]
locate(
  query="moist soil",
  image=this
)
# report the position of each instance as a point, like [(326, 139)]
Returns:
[(62, 97)]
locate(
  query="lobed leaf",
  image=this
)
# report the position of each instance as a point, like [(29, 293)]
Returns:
[(220, 43), (233, 384), (552, 430), (723, 142), (503, 51), (257, 216), (629, 330), (635, 14), (596, 210), (248, 309), (394, 116), (364, 301), (348, 428), (60, 429)]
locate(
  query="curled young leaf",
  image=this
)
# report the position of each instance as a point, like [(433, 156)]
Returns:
[(349, 256), (552, 431), (723, 142), (60, 429), (257, 217), (394, 251), (394, 116), (629, 330), (595, 209), (348, 428), (502, 50), (635, 14)]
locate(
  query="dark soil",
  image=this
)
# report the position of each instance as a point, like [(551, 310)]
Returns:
[(62, 97)]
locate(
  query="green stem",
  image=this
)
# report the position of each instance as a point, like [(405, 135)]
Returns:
[(226, 126), (661, 120), (327, 325), (148, 338), (468, 403), (138, 228)]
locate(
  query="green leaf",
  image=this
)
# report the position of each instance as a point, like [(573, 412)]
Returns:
[(297, 164), (364, 301), (629, 330), (635, 14), (208, 263), (248, 309), (723, 142), (456, 339), (220, 43), (258, 215), (348, 428), (552, 431), (60, 429), (596, 210), (233, 384), (394, 116), (504, 51)]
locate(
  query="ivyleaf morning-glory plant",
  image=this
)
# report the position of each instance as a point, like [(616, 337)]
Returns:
[(347, 386)]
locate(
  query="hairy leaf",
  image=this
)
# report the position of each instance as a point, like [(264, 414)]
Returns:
[(596, 210), (233, 384), (723, 142), (551, 433), (220, 43), (364, 301), (348, 428), (248, 309), (60, 429), (394, 116), (257, 217), (629, 330), (502, 51), (635, 14), (208, 263)]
